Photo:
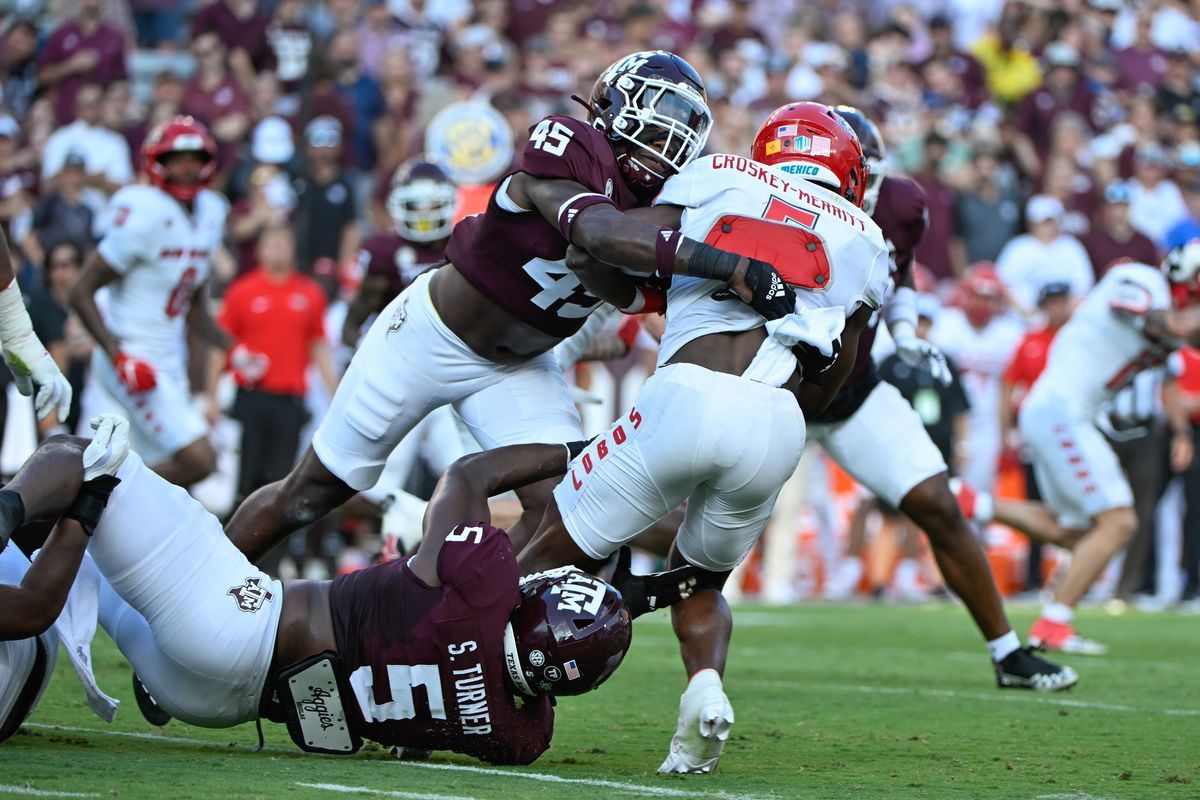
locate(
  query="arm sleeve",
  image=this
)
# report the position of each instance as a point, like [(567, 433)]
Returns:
[(130, 228), (914, 216)]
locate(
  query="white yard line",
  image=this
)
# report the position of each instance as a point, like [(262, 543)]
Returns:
[(157, 737), (29, 791), (632, 788), (340, 789), (997, 696)]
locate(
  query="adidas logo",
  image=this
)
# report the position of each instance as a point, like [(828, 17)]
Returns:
[(666, 235), (571, 215), (777, 289)]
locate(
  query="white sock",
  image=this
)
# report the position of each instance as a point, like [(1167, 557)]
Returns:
[(1001, 647), (1057, 612), (984, 507)]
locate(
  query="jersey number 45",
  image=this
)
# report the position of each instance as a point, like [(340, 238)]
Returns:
[(794, 246)]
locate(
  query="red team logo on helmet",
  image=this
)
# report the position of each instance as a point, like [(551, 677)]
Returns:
[(811, 141), (179, 135), (568, 635)]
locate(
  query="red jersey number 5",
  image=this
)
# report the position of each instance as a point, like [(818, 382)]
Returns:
[(796, 250)]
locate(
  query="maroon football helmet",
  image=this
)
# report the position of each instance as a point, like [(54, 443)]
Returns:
[(423, 201), (568, 635), (873, 150), (653, 106)]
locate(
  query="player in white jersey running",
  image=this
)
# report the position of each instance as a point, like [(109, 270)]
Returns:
[(718, 424), (155, 260), (1130, 322)]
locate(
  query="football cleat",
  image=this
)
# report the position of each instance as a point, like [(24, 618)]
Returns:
[(1024, 669), (146, 704), (1061, 636), (411, 753), (705, 719)]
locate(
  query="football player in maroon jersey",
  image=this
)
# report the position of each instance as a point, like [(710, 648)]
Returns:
[(448, 650), (422, 204), (874, 434), (478, 331)]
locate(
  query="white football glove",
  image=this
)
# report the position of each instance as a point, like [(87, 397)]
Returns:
[(29, 368), (917, 352), (108, 448)]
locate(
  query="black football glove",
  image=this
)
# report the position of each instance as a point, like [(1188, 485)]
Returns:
[(813, 362), (770, 296), (645, 593)]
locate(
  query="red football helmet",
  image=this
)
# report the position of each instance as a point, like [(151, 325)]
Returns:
[(811, 141), (981, 294), (568, 635), (179, 135)]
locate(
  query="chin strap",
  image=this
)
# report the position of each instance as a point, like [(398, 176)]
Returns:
[(512, 660)]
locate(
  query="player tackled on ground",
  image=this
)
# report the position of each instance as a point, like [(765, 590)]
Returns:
[(448, 650)]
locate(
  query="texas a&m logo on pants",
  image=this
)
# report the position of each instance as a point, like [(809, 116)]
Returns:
[(250, 596)]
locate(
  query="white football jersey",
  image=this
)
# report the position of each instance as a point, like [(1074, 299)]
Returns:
[(822, 244), (1102, 347), (162, 255)]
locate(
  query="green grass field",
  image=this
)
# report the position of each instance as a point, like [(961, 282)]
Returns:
[(831, 701)]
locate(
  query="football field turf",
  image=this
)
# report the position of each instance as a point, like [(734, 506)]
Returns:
[(831, 701)]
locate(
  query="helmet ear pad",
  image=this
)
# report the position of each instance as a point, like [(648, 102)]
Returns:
[(569, 633)]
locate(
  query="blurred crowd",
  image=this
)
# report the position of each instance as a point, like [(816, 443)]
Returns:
[(1052, 138)]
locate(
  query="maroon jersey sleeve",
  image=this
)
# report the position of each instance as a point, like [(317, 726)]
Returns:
[(902, 215), (515, 256)]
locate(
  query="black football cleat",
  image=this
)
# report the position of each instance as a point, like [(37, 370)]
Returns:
[(145, 703), (1024, 669)]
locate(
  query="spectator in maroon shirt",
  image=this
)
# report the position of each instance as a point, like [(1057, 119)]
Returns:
[(1114, 239), (83, 47), (968, 69), (242, 27), (292, 42), (1063, 89), (1141, 66), (215, 97), (934, 249), (736, 28)]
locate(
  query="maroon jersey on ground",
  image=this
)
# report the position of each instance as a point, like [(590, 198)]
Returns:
[(397, 260), (516, 259), (427, 663), (901, 214)]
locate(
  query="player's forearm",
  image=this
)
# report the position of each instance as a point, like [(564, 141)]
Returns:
[(322, 358), (83, 299), (32, 608), (7, 274), (600, 279), (203, 325)]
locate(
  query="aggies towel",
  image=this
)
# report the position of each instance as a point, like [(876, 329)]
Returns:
[(819, 327)]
